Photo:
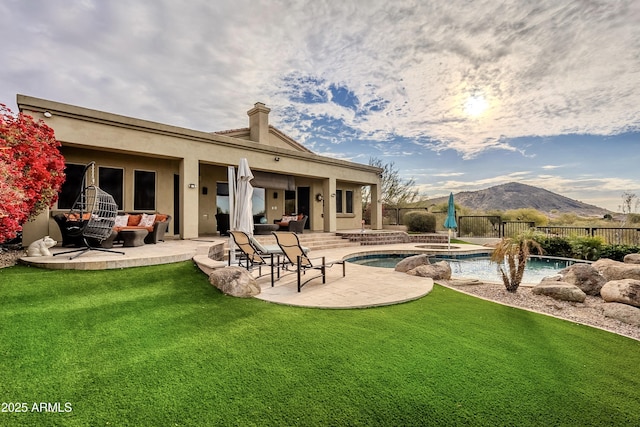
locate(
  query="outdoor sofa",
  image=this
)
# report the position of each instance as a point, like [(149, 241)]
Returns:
[(293, 223), (156, 224)]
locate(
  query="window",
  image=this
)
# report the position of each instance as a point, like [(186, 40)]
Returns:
[(338, 201), (349, 201), (111, 180), (71, 187), (222, 197), (257, 202), (289, 202), (144, 191)]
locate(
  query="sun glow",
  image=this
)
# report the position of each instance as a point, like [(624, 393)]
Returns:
[(475, 105)]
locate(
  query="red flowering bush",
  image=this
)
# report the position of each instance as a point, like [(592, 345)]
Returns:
[(31, 170)]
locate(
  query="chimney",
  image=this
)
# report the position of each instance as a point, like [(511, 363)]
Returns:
[(259, 123)]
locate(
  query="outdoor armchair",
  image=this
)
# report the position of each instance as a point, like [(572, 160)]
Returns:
[(297, 257), (298, 225)]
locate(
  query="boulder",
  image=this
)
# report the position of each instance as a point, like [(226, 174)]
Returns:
[(235, 281), (622, 312), (584, 276), (438, 271), (409, 263), (615, 270), (562, 291), (632, 259), (625, 291)]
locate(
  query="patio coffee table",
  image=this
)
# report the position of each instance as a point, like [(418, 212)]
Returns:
[(132, 238), (265, 228)]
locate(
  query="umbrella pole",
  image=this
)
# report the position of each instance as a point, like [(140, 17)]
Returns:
[(231, 177)]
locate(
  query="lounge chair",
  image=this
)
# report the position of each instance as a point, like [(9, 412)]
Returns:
[(297, 257), (254, 254)]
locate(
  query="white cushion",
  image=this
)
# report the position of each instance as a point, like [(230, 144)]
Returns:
[(147, 220), (121, 221)]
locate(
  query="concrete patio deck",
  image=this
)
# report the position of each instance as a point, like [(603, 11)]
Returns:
[(362, 287)]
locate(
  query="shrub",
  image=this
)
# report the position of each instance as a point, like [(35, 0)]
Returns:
[(617, 252), (527, 214), (556, 246), (420, 222), (586, 247), (31, 170)]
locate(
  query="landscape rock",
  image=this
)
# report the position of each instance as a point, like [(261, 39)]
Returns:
[(438, 271), (560, 290), (625, 291), (409, 263), (235, 281), (622, 312), (554, 278), (632, 259), (616, 270), (584, 276)]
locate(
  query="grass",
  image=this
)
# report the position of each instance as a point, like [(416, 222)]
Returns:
[(159, 346)]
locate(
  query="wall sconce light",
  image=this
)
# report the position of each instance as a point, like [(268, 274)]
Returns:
[(192, 186), (333, 194), (47, 114), (319, 197), (276, 158)]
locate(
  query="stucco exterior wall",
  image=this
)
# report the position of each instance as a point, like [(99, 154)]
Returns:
[(201, 158)]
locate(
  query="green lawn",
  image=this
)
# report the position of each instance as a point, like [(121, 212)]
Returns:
[(158, 346)]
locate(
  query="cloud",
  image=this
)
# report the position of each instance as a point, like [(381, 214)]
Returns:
[(378, 71), (351, 80)]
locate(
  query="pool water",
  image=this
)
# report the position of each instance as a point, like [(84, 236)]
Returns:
[(475, 267)]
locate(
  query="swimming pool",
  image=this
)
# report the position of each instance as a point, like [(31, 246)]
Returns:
[(473, 266)]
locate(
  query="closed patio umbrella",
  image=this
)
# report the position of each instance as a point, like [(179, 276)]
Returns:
[(450, 222), (243, 215)]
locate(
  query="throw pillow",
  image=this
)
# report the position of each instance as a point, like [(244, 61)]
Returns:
[(134, 220), (147, 220), (121, 221)]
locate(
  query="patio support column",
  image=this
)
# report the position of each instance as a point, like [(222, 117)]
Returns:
[(329, 212), (189, 217), (376, 207)]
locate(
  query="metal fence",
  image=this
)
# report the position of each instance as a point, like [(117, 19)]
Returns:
[(610, 235), (493, 226), (490, 226), (394, 216)]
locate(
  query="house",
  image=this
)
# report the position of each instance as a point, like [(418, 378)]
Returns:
[(153, 167)]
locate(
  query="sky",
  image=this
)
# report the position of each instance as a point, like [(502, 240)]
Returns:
[(459, 95)]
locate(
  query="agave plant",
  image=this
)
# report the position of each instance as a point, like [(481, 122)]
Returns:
[(514, 251)]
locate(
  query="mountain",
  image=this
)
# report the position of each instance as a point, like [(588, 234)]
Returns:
[(516, 196)]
